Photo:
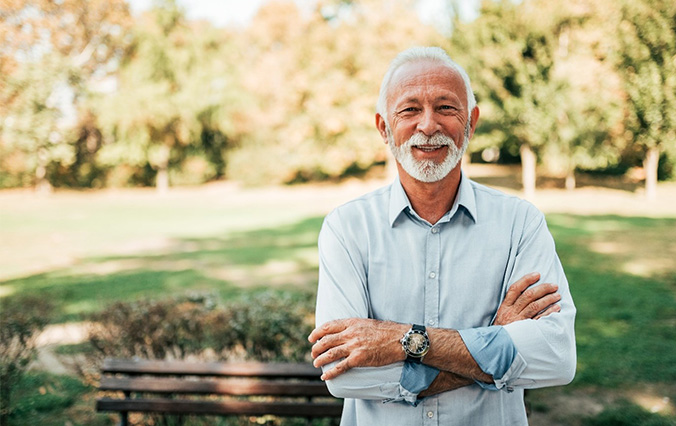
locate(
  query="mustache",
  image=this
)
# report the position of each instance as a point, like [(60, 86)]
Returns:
[(437, 139)]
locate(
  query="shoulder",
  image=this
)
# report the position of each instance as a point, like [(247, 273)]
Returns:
[(372, 204), (495, 204)]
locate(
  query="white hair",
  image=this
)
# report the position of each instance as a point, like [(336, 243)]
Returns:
[(420, 54)]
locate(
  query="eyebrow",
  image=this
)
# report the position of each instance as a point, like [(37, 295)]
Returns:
[(414, 99)]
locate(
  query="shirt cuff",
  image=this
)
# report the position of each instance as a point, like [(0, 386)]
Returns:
[(415, 378), (492, 348)]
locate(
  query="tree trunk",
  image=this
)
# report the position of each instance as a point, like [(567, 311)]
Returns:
[(162, 161), (650, 163), (570, 180), (162, 179), (528, 161), (42, 185)]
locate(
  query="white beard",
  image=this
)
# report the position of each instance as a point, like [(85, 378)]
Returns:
[(427, 170)]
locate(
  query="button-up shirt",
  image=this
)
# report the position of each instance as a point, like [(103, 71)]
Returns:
[(379, 259)]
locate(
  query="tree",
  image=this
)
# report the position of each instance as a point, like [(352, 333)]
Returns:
[(646, 60), (175, 89), (523, 60), (315, 82), (50, 52)]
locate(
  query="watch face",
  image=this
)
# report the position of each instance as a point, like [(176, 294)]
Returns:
[(417, 343)]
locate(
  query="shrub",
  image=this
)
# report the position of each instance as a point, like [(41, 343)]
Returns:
[(267, 326), (21, 322)]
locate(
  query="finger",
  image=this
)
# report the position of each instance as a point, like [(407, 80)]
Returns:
[(533, 294), (539, 305), (519, 287), (326, 343), (332, 355), (337, 370), (548, 311), (330, 327)]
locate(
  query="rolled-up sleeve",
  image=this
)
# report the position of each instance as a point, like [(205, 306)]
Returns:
[(546, 353), (342, 294)]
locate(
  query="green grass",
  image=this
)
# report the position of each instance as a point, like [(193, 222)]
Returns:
[(203, 267), (54, 400), (626, 324)]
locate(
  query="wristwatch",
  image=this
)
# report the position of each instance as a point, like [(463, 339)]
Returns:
[(416, 343)]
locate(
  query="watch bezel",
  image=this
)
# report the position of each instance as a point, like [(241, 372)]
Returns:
[(407, 340)]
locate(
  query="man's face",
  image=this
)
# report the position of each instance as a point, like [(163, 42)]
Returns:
[(427, 109)]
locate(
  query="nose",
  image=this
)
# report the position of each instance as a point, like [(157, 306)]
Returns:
[(428, 124)]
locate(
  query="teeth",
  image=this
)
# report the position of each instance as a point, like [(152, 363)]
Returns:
[(429, 148)]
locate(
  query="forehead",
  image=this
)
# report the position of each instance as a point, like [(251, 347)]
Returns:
[(426, 79)]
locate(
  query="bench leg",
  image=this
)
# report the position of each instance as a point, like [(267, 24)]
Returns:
[(124, 418)]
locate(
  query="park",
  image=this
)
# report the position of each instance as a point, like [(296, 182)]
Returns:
[(163, 182)]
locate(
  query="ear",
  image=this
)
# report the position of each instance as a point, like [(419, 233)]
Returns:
[(381, 125), (475, 119)]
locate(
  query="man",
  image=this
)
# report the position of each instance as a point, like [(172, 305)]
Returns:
[(428, 311)]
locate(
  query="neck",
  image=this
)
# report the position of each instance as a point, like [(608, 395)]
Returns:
[(431, 200)]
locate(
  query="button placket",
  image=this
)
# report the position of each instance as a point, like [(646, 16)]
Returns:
[(432, 265)]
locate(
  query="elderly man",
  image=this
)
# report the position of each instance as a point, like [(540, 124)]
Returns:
[(429, 311)]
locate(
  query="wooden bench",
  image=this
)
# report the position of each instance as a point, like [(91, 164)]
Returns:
[(217, 388)]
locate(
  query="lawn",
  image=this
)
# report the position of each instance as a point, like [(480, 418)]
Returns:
[(85, 250)]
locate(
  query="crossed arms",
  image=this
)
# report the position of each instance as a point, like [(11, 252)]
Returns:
[(362, 357), (358, 342)]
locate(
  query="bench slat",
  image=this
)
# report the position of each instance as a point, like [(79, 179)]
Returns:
[(285, 409), (213, 386), (234, 369)]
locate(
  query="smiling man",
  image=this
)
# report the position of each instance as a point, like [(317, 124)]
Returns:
[(435, 303)]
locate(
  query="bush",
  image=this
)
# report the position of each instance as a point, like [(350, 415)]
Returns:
[(21, 322), (267, 326)]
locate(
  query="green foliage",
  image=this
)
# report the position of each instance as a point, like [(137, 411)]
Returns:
[(113, 100), (646, 60), (526, 60), (315, 81), (171, 111), (267, 327), (53, 52), (20, 323)]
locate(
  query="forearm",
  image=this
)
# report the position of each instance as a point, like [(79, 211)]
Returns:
[(445, 381), (448, 353)]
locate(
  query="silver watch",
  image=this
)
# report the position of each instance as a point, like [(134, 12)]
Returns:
[(416, 343)]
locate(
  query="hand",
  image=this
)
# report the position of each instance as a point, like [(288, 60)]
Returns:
[(522, 302), (359, 342)]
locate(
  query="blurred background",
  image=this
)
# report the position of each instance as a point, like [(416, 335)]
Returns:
[(165, 167)]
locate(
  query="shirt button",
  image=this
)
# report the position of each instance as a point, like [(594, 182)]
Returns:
[(430, 322), (435, 230), (430, 414), (433, 275)]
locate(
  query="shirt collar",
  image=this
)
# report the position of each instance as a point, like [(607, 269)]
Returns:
[(399, 202)]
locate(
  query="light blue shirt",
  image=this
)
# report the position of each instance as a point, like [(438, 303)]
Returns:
[(379, 259)]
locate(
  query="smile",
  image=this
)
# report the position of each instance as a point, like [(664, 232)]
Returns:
[(430, 148)]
